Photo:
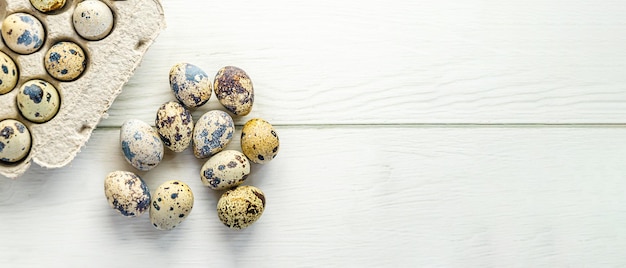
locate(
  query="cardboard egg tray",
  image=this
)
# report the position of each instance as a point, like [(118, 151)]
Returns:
[(84, 101)]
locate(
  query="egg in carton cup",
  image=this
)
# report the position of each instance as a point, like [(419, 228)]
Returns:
[(63, 63)]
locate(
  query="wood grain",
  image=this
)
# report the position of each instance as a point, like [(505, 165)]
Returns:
[(347, 62), (380, 164), (358, 196)]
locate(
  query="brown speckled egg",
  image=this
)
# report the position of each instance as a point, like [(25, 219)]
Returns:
[(171, 204), (241, 207), (234, 90), (174, 125), (47, 5), (15, 141), (127, 193), (259, 141)]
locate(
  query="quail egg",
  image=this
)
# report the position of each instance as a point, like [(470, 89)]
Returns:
[(141, 145), (93, 19), (23, 33), (47, 5), (212, 133), (127, 193), (38, 101), (241, 207), (174, 125), (259, 141), (171, 204), (225, 170), (190, 84), (65, 61), (234, 90), (15, 141), (8, 74)]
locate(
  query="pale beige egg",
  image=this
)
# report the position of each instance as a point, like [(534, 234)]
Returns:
[(225, 170), (38, 101), (171, 204)]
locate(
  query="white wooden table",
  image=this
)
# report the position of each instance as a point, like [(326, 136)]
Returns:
[(413, 133)]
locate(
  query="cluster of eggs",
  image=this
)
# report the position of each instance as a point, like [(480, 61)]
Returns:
[(38, 100), (143, 148)]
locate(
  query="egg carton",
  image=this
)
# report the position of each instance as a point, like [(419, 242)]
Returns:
[(84, 101)]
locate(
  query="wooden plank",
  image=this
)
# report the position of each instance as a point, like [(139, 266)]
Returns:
[(349, 62), (357, 196)]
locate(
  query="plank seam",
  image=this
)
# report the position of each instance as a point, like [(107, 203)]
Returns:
[(442, 125)]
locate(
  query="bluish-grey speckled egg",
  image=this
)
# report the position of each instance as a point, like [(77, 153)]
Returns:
[(241, 207), (15, 141), (8, 73), (93, 19), (23, 33), (174, 125), (38, 101), (127, 193), (190, 84), (234, 90), (259, 141), (65, 61), (212, 133), (225, 170), (171, 204), (141, 145)]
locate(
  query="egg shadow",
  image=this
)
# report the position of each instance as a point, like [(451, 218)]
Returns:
[(238, 241), (139, 231)]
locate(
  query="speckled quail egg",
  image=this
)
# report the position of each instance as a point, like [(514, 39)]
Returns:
[(23, 33), (241, 207), (15, 141), (38, 101), (93, 19), (8, 74), (174, 125), (225, 170), (47, 5), (141, 145), (127, 193), (65, 61), (212, 133), (234, 90), (259, 141), (171, 204), (190, 84)]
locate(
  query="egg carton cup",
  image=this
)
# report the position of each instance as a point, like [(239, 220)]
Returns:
[(84, 101)]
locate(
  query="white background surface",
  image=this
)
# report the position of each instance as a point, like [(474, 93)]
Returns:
[(413, 133)]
